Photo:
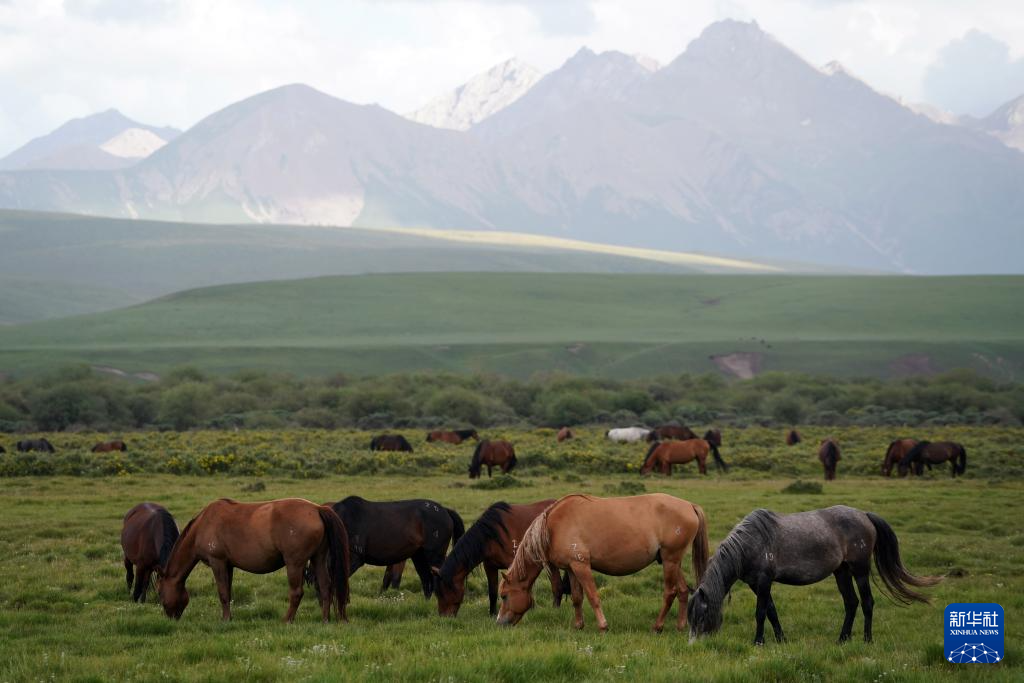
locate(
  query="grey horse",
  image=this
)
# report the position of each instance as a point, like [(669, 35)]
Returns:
[(798, 550)]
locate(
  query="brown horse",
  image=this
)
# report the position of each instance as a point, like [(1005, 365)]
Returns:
[(670, 432), (456, 436), (147, 537), (895, 454), (932, 453), (615, 536), (793, 437), (564, 434), (492, 540), (829, 456), (492, 453), (390, 442), (261, 538), (664, 454), (109, 446)]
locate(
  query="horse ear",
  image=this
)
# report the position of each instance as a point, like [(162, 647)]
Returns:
[(504, 576), (436, 571)]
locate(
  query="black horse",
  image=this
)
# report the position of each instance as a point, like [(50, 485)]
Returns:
[(390, 442), (26, 445), (389, 533), (798, 550), (933, 453), (2, 449)]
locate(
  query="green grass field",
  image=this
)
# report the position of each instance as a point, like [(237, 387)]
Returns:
[(65, 612), (619, 326)]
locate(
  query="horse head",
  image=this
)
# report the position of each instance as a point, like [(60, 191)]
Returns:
[(516, 599)]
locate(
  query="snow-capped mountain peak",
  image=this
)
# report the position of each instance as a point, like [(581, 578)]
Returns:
[(133, 143)]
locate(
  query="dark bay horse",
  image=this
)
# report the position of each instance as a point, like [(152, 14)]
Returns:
[(110, 446), (492, 454), (456, 436), (389, 533), (491, 541), (670, 432), (798, 550), (261, 538), (390, 442), (895, 454), (26, 445), (614, 536), (393, 576), (2, 449), (147, 537), (793, 437), (829, 456), (564, 434), (663, 454), (713, 436), (933, 453)]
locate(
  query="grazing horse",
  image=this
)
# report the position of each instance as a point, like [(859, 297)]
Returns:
[(390, 442), (895, 454), (389, 533), (627, 434), (26, 445), (671, 432), (798, 550), (664, 454), (793, 437), (455, 437), (108, 446), (147, 537), (615, 536), (932, 453), (829, 456), (492, 540), (492, 453), (564, 434), (2, 449), (261, 538)]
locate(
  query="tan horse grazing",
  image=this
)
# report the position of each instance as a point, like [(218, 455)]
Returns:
[(615, 536), (895, 453), (829, 456), (564, 434), (664, 454), (261, 538), (492, 454), (110, 446)]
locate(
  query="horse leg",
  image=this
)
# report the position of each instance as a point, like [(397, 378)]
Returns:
[(489, 470), (844, 580), (295, 571), (492, 588), (773, 619), (764, 596), (581, 569), (129, 571), (556, 586), (141, 583), (422, 564), (222, 572), (702, 465), (867, 602), (577, 599), (671, 576)]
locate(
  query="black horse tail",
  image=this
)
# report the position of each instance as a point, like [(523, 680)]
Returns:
[(650, 452), (960, 463), (831, 457), (458, 528), (718, 457), (890, 567), (512, 459), (170, 530), (564, 588), (404, 444), (337, 558), (700, 550), (474, 464), (914, 458)]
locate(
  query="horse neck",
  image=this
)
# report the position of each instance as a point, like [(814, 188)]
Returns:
[(718, 579), (183, 557)]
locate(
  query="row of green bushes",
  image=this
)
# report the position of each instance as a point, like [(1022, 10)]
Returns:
[(79, 398)]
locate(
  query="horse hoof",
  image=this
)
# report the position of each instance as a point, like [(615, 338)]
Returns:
[(759, 643), (658, 629)]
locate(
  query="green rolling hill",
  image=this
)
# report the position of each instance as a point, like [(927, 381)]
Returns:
[(518, 324)]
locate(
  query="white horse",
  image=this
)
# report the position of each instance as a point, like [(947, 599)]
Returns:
[(627, 434)]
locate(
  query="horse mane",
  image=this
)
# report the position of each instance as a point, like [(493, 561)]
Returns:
[(170, 530), (465, 433), (759, 527), (534, 547), (474, 464), (913, 455), (468, 551), (650, 452)]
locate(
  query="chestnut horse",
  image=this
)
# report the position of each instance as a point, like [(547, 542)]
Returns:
[(894, 455), (664, 454), (615, 536), (492, 540), (932, 453), (147, 537), (564, 434), (108, 446), (390, 442), (492, 453), (670, 432), (793, 437), (261, 538), (829, 456), (456, 436)]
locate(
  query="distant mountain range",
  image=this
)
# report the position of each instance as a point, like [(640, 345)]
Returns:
[(737, 147)]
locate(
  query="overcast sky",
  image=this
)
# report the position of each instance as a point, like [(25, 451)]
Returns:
[(166, 62)]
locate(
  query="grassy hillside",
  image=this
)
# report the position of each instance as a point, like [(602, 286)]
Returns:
[(53, 265), (623, 325)]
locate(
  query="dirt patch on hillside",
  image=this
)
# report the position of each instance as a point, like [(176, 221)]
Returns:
[(744, 365), (911, 365)]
